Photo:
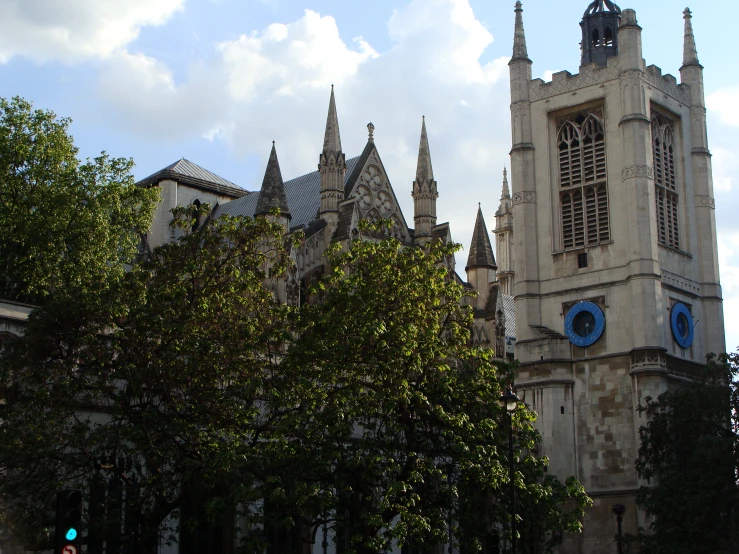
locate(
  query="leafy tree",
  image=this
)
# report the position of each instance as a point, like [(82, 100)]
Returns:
[(66, 225), (164, 370), (398, 431), (689, 455)]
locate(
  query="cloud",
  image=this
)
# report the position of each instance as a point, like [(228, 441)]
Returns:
[(74, 30), (274, 83), (725, 102)]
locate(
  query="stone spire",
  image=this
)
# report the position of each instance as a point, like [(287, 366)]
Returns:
[(332, 167), (505, 197), (424, 171), (332, 139), (690, 53), (424, 191), (272, 194), (481, 251), (506, 193), (519, 37)]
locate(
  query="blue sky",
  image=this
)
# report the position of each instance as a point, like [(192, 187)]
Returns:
[(216, 81)]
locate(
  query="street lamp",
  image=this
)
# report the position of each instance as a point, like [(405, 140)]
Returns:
[(509, 401), (619, 510)]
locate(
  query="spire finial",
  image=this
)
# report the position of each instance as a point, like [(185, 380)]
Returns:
[(424, 170), (371, 130), (690, 54), (272, 195), (481, 250), (519, 37), (506, 193), (332, 139)]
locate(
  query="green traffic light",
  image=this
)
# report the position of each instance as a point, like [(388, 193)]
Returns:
[(71, 534)]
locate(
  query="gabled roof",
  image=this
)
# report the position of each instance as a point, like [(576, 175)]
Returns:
[(303, 198), (189, 173)]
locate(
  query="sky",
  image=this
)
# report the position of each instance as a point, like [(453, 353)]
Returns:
[(215, 81)]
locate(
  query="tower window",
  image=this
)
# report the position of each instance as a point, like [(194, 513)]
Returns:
[(582, 180), (608, 36), (596, 37), (666, 192)]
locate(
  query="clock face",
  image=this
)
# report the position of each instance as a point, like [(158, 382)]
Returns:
[(584, 324), (364, 197), (384, 202), (373, 177), (681, 324)]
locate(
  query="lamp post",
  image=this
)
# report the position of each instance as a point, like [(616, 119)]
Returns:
[(509, 400), (619, 510)]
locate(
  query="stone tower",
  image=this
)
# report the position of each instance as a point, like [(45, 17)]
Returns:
[(424, 191), (332, 167), (504, 238), (616, 285)]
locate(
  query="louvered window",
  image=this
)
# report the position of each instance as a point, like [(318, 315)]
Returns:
[(582, 180), (665, 183)]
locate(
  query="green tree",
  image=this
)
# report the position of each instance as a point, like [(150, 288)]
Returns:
[(398, 433), (689, 455), (164, 370), (66, 225)]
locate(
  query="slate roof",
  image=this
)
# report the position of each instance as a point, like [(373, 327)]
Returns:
[(481, 251), (189, 173), (509, 310), (303, 197)]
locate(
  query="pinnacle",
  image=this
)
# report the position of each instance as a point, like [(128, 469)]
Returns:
[(506, 192), (332, 139), (272, 194), (424, 171), (481, 250), (690, 54), (519, 37)]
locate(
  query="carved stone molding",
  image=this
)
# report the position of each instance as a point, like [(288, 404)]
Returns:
[(705, 201), (525, 197), (633, 171), (668, 86), (648, 360)]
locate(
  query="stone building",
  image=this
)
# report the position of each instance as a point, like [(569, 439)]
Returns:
[(616, 279), (327, 205)]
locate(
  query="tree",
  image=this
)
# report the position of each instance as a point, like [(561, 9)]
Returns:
[(164, 370), (689, 455), (66, 226), (398, 433)]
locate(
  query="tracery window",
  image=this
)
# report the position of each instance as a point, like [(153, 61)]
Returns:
[(582, 180), (665, 183)]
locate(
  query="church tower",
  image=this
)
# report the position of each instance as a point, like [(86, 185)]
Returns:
[(616, 278), (424, 191), (332, 167), (504, 238)]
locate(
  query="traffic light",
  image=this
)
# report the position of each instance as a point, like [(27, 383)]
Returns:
[(69, 516)]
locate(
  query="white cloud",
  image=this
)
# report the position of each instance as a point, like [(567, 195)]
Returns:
[(725, 102), (73, 30), (274, 84)]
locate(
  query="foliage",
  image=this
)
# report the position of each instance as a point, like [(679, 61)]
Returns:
[(689, 455), (397, 423), (165, 369), (66, 226)]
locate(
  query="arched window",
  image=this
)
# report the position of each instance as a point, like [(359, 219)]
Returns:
[(608, 37), (596, 37), (196, 214), (665, 182), (582, 179)]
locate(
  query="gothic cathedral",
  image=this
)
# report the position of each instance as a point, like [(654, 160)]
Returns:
[(616, 279)]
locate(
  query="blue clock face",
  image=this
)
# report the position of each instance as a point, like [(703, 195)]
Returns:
[(584, 324), (681, 324)]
